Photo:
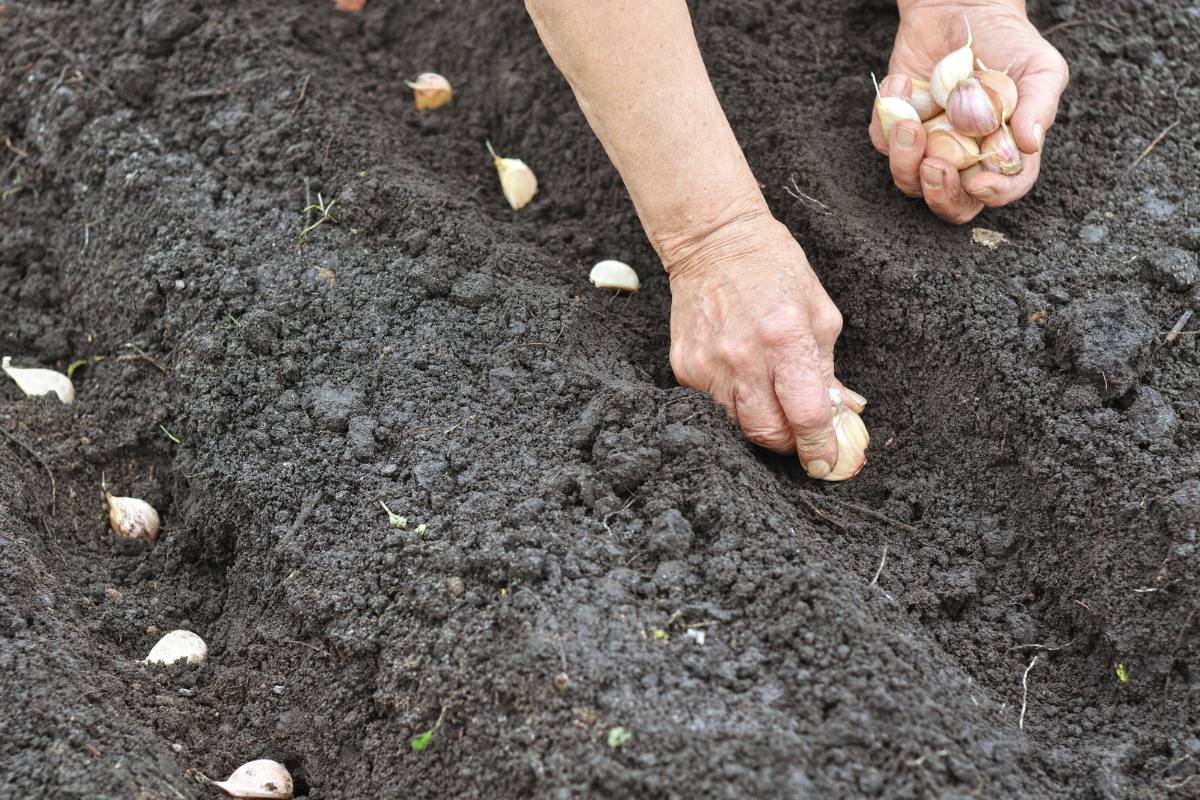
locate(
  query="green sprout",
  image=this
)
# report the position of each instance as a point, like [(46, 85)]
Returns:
[(1122, 673), (326, 215), (395, 520), (421, 741), (170, 435), (420, 529), (659, 633), (74, 365), (618, 737)]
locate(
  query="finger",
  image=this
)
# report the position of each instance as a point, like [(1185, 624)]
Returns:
[(1038, 92), (762, 420), (906, 149), (892, 86), (993, 189), (944, 193), (803, 394), (852, 399)]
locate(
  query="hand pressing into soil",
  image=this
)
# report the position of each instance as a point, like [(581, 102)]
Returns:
[(752, 326), (929, 29), (750, 323)]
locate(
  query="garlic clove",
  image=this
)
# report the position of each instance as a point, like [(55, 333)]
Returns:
[(972, 109), (922, 100), (132, 518), (1000, 153), (262, 778), (517, 180), (852, 440), (617, 275), (950, 70), (936, 123), (891, 110), (35, 381), (1002, 88), (947, 143), (178, 645), (430, 91)]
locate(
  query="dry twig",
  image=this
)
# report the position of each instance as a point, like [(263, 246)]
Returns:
[(1025, 692)]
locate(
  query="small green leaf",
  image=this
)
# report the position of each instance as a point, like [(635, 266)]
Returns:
[(395, 520), (421, 740), (659, 633), (618, 737), (170, 435), (420, 529), (74, 365), (1122, 673)]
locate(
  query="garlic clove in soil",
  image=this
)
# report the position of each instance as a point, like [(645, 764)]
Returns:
[(922, 100), (1000, 153), (891, 110), (132, 518), (953, 68), (36, 381), (430, 91), (973, 109), (852, 441), (517, 180), (617, 275), (262, 778), (178, 645)]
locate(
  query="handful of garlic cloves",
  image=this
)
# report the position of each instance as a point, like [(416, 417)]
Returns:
[(965, 111)]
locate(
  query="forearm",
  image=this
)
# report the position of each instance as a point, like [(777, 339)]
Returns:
[(637, 73)]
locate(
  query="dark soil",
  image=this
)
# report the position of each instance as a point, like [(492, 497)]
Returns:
[(1034, 477)]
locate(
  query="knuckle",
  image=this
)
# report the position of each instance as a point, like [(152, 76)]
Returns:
[(736, 354), (781, 328), (827, 321)]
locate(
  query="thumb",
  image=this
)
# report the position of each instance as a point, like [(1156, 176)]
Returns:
[(1038, 92), (803, 394)]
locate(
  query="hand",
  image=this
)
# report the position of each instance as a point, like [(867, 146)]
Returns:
[(752, 326), (1003, 35)]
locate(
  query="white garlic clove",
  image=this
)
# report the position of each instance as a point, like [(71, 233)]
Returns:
[(947, 143), (1003, 90), (517, 180), (178, 645), (35, 381), (891, 110), (852, 441), (132, 518), (430, 91), (973, 108), (921, 99), (617, 275), (950, 70), (1000, 153), (260, 779)]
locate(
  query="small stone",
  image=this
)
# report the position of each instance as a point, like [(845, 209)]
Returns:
[(1172, 267), (455, 586)]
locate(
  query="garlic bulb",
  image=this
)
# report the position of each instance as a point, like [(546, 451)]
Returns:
[(617, 275), (891, 110), (517, 180), (1000, 153), (950, 70), (132, 518), (947, 143), (1003, 90), (922, 100), (262, 778), (178, 645), (35, 382), (430, 91), (973, 109)]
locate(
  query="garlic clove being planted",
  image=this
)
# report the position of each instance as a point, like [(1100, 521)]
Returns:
[(973, 109), (263, 778), (852, 441), (132, 518), (517, 180), (891, 110), (430, 91), (947, 143), (617, 275), (922, 100), (951, 69), (1000, 153), (178, 645), (35, 381)]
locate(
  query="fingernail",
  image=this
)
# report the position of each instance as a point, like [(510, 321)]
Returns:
[(892, 85), (1039, 134), (904, 137), (856, 397), (818, 468), (986, 193), (931, 176)]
